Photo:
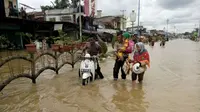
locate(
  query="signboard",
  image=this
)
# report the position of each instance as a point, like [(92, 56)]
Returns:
[(90, 7), (107, 31), (93, 7), (86, 7), (58, 26)]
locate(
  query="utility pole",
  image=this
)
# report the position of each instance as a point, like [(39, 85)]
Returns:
[(167, 27), (123, 11), (80, 22), (164, 31), (138, 18), (174, 30), (199, 30), (133, 19), (132, 27)]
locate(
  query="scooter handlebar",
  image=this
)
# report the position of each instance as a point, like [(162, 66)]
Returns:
[(90, 58)]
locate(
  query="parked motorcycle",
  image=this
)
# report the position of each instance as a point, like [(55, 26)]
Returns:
[(87, 68)]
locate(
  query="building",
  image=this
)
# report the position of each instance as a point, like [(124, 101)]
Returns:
[(8, 3), (134, 30), (110, 22), (64, 15), (99, 13), (40, 16), (157, 32), (9, 27)]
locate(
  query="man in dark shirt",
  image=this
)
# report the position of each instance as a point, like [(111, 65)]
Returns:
[(94, 49), (134, 38)]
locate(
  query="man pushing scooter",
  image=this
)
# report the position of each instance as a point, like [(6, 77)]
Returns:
[(94, 49)]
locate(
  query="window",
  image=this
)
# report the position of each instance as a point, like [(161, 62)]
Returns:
[(66, 19), (52, 19)]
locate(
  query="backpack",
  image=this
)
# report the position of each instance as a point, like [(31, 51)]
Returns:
[(130, 47)]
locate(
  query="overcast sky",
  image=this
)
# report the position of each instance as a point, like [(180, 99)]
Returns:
[(183, 14)]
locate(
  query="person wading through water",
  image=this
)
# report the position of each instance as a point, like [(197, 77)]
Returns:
[(163, 40), (134, 38), (119, 44), (141, 56), (121, 56), (94, 49)]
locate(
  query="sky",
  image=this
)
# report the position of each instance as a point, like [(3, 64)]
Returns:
[(182, 14)]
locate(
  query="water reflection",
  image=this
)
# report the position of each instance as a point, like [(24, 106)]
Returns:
[(132, 100), (138, 96), (21, 100), (172, 84)]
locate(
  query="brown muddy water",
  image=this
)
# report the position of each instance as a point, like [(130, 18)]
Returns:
[(172, 84)]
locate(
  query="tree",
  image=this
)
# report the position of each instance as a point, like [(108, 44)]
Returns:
[(186, 33), (74, 3), (46, 7), (196, 29), (58, 4)]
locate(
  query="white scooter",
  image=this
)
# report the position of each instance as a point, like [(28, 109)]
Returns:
[(87, 68)]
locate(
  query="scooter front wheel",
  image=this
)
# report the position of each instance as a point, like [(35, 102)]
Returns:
[(83, 82), (79, 73), (91, 78)]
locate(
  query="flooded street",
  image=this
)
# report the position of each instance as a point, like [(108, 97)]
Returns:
[(172, 84)]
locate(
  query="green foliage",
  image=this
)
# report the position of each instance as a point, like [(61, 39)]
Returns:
[(3, 40), (193, 38), (85, 38), (46, 7), (195, 34), (114, 39), (64, 39), (186, 33), (60, 4), (117, 29), (74, 3), (25, 35), (104, 47)]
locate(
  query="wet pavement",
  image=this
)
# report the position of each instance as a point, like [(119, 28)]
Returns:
[(172, 84)]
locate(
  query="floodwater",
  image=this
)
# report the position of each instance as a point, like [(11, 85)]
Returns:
[(172, 84)]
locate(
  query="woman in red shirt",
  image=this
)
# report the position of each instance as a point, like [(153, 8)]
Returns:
[(141, 56)]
